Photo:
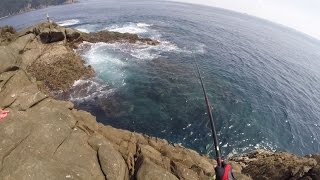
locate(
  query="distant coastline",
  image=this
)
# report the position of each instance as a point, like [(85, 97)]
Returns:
[(29, 7)]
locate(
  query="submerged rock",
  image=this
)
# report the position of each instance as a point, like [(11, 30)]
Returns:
[(107, 36)]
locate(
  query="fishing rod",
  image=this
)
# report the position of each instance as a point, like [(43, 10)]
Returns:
[(213, 128)]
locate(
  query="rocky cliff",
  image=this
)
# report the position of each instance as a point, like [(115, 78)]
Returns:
[(44, 138)]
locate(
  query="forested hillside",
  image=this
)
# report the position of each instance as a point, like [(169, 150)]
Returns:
[(10, 7)]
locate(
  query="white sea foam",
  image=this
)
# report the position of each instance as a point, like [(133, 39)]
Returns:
[(83, 30), (143, 25), (110, 59), (69, 22), (110, 74), (262, 145), (152, 52), (88, 90), (88, 28), (224, 146), (135, 28), (3, 17), (108, 67), (140, 50)]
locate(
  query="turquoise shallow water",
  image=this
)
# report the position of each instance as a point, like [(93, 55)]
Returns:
[(263, 79)]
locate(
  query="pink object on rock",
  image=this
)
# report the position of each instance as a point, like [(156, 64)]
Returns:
[(3, 114)]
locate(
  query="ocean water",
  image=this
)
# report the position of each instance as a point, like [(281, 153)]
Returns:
[(263, 79)]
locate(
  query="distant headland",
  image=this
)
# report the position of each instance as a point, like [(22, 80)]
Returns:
[(9, 7)]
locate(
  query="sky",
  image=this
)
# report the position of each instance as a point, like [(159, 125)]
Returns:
[(302, 15)]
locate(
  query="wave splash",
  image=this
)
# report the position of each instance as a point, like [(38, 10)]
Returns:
[(69, 22), (134, 28), (111, 61)]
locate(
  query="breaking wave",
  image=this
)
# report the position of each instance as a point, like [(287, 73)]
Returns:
[(134, 28), (109, 60), (69, 22)]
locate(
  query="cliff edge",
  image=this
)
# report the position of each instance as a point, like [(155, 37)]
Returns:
[(44, 138)]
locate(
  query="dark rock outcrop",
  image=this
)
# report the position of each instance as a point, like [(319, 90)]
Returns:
[(50, 36), (107, 36)]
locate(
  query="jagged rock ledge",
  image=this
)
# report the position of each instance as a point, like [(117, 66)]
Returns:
[(44, 138)]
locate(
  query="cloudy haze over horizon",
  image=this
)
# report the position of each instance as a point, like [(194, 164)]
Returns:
[(302, 15)]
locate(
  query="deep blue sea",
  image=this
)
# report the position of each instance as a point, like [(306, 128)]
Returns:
[(263, 79)]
